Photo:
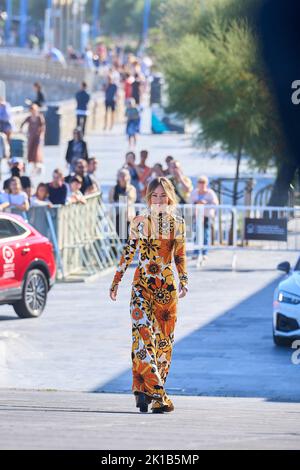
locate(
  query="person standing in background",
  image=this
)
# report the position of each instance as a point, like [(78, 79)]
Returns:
[(77, 149), (57, 189), (5, 118), (17, 198), (92, 172), (17, 168), (144, 173), (133, 122), (136, 89), (40, 99), (111, 90), (130, 165), (128, 86), (82, 99), (169, 162), (182, 184), (123, 188), (204, 195), (36, 130)]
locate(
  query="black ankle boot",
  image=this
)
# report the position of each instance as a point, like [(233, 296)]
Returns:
[(142, 402)]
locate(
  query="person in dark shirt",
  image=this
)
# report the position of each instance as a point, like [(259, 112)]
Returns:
[(136, 89), (17, 169), (77, 149), (82, 99), (111, 90), (57, 189), (40, 97), (81, 170)]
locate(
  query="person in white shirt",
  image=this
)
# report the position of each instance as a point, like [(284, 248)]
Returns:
[(17, 198), (204, 195)]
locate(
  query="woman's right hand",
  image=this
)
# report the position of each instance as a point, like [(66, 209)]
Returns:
[(113, 293)]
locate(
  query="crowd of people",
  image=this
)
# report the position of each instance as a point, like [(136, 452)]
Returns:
[(133, 178), (129, 76), (18, 194)]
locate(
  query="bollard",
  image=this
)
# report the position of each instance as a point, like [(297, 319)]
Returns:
[(52, 117)]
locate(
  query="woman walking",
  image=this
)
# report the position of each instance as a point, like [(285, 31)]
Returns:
[(36, 130), (159, 235)]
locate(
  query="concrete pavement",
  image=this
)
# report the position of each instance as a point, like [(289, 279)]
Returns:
[(57, 420), (223, 343)]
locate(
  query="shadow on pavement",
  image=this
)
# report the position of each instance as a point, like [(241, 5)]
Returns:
[(233, 355)]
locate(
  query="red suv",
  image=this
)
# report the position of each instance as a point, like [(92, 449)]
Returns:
[(27, 266)]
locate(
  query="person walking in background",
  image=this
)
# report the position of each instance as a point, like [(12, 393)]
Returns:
[(111, 90), (123, 189), (5, 118), (82, 100), (144, 173), (182, 184), (36, 130), (17, 168), (204, 195), (81, 169), (128, 81), (136, 89), (130, 165), (41, 197), (133, 122), (159, 236), (77, 149), (57, 189)]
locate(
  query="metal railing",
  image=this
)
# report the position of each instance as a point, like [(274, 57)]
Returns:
[(83, 236), (86, 241), (227, 226)]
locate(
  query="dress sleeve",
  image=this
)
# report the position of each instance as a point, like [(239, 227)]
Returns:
[(127, 253), (180, 253)]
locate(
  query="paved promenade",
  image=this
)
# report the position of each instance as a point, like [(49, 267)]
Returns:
[(232, 387)]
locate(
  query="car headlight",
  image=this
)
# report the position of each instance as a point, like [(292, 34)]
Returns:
[(288, 298)]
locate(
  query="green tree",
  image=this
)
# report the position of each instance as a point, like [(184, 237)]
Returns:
[(216, 76)]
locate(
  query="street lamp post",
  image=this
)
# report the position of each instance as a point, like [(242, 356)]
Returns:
[(147, 11), (23, 22), (96, 19), (8, 21)]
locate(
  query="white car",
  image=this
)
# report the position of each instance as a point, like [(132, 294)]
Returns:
[(286, 306)]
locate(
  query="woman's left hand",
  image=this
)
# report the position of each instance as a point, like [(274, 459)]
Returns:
[(182, 291)]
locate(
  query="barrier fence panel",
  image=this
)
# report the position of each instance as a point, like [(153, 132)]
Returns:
[(84, 237), (86, 240)]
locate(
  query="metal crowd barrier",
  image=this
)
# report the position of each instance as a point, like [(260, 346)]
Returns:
[(86, 241), (83, 236), (227, 227)]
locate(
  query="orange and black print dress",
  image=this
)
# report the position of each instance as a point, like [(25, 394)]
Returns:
[(160, 240)]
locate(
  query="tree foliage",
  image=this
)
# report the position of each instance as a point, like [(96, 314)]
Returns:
[(215, 74)]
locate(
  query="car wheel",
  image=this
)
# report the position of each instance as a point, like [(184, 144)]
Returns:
[(282, 341), (34, 295)]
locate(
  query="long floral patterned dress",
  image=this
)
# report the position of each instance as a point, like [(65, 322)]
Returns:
[(154, 298)]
